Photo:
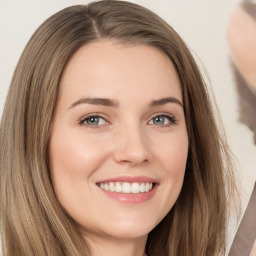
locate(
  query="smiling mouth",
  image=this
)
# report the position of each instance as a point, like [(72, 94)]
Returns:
[(126, 187)]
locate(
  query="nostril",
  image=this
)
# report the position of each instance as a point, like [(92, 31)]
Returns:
[(134, 161), (131, 144)]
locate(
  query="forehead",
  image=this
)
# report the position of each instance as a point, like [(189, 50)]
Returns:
[(108, 67)]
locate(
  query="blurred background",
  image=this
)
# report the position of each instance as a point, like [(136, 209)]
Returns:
[(203, 26)]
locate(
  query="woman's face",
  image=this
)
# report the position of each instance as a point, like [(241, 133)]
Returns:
[(119, 143)]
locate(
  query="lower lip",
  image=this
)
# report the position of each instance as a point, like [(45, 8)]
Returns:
[(129, 197)]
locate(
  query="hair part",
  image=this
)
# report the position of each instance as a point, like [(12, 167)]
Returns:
[(32, 220)]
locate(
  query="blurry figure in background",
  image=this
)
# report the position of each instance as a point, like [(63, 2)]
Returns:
[(242, 42)]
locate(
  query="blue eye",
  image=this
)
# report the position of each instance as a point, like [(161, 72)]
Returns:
[(163, 120), (93, 121)]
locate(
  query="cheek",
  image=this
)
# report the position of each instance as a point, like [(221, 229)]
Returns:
[(173, 154), (75, 156), (73, 160), (172, 164)]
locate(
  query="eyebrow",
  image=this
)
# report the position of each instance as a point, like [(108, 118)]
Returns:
[(164, 101), (96, 101), (112, 103)]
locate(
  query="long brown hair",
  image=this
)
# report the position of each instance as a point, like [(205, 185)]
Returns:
[(32, 220)]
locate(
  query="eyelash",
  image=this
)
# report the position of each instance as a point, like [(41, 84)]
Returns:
[(82, 122), (170, 118)]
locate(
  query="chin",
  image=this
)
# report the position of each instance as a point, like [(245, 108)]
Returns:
[(132, 229), (130, 233)]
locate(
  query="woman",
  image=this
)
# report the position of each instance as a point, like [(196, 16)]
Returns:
[(108, 141)]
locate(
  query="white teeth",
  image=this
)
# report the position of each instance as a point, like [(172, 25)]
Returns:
[(118, 187), (111, 187), (106, 187), (142, 187), (126, 187), (135, 188)]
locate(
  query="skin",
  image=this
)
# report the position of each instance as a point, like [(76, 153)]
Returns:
[(241, 35), (253, 252), (125, 141)]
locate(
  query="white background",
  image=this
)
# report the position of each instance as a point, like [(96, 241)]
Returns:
[(201, 23)]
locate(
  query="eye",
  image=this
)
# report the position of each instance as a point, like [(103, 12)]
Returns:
[(163, 120), (93, 121)]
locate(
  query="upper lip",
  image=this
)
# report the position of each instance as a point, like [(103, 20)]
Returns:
[(130, 179)]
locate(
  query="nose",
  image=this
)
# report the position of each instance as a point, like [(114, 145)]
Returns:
[(132, 146)]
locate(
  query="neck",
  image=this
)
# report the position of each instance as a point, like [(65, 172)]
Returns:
[(116, 247)]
